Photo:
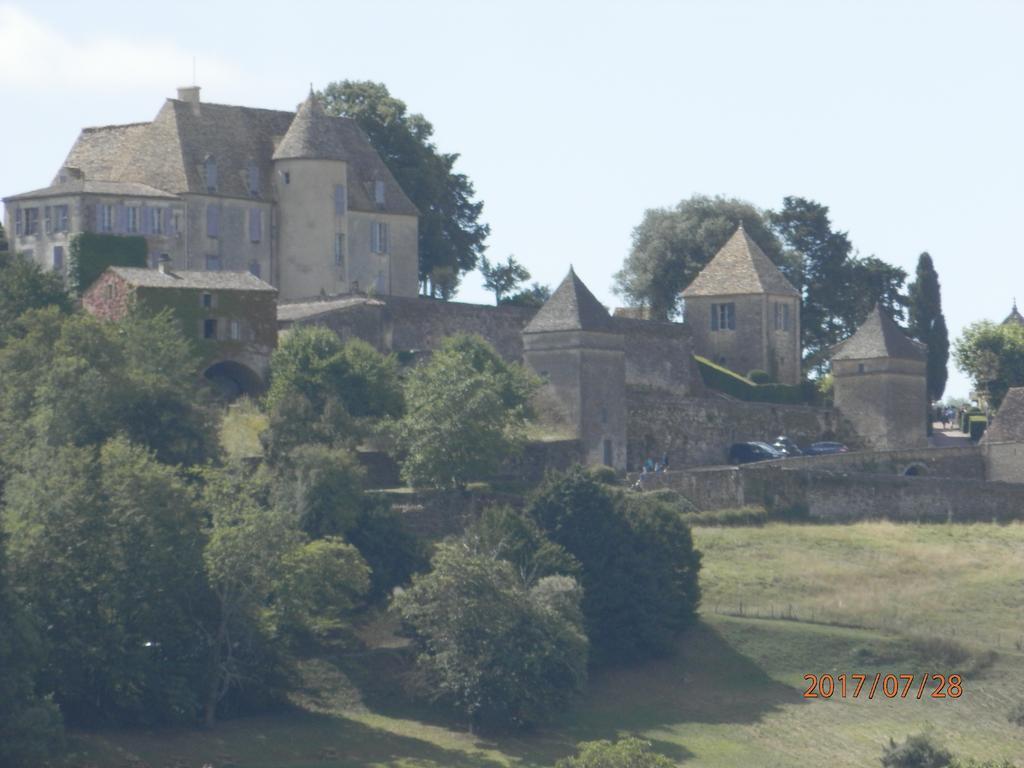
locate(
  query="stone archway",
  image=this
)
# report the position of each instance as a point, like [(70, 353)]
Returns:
[(915, 470), (231, 379)]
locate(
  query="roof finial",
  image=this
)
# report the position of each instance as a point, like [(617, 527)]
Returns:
[(310, 87), (1014, 303)]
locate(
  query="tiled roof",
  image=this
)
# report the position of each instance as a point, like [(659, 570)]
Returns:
[(170, 152), (740, 267), (222, 281), (1008, 423), (89, 187), (879, 336), (572, 307), (313, 135)]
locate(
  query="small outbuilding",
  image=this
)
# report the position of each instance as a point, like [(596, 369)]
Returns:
[(1003, 442)]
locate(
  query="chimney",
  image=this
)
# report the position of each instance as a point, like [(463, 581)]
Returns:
[(190, 94), (164, 264)]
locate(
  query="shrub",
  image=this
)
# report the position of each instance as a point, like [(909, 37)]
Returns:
[(976, 427), (718, 377), (601, 473), (918, 751), (760, 377), (625, 753)]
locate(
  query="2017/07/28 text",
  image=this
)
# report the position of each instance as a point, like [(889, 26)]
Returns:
[(888, 685)]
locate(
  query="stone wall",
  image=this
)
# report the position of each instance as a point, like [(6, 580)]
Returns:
[(699, 431), (660, 355), (1004, 461), (966, 462), (885, 399)]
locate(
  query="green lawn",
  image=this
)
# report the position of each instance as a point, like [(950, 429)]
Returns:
[(732, 697)]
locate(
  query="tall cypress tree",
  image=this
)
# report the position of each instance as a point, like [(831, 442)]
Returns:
[(928, 324)]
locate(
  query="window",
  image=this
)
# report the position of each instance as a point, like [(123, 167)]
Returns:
[(379, 237), (212, 220), (58, 257), (18, 217), (253, 175), (723, 317), (106, 217), (63, 225), (206, 300), (287, 177), (210, 170), (213, 264), (156, 216), (378, 192), (235, 330), (131, 219), (339, 249), (31, 221), (340, 203), (210, 328), (108, 291), (860, 367), (255, 225), (47, 220), (781, 316)]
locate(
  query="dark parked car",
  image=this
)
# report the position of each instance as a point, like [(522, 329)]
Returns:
[(817, 449), (744, 453), (787, 445)]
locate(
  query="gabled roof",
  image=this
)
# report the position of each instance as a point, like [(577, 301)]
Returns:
[(221, 281), (1008, 424), (879, 336), (740, 267), (572, 307), (170, 152), (1015, 317)]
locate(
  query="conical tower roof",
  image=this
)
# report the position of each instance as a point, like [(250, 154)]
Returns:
[(572, 307), (313, 135), (740, 267), (1015, 317), (879, 336)]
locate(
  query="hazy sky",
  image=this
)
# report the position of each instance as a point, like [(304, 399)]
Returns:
[(572, 118)]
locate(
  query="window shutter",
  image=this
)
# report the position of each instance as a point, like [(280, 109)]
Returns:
[(17, 221), (98, 224), (121, 219), (714, 317), (374, 237), (144, 220), (384, 238), (339, 200), (378, 192)]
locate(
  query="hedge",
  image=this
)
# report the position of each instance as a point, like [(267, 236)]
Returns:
[(731, 383), (91, 253), (977, 427)]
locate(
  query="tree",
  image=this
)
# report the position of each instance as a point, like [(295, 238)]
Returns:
[(24, 286), (502, 278), (534, 296), (451, 236), (993, 356), (917, 751), (322, 487), (4, 244), (393, 553), (465, 413), (624, 753), (514, 537), (873, 281), (30, 725), (503, 653), (671, 245), (105, 545), (928, 324)]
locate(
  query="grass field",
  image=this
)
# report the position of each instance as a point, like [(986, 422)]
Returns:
[(732, 696)]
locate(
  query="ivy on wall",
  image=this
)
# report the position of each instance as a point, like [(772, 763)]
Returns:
[(91, 253)]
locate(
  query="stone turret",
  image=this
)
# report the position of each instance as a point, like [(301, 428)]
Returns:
[(571, 343), (744, 314), (880, 381)]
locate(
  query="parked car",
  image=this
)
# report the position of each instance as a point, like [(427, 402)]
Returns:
[(787, 445), (817, 449), (744, 453)]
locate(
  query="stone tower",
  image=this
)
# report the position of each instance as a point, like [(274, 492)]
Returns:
[(881, 385), (572, 344), (744, 314)]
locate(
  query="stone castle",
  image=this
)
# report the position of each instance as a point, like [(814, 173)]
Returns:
[(240, 206)]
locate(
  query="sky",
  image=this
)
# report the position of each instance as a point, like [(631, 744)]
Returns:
[(573, 118)]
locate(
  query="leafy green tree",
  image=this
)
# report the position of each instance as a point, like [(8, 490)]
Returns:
[(513, 536), (393, 553), (321, 487), (536, 295), (30, 725), (137, 377), (873, 281), (624, 753), (503, 653), (451, 235), (917, 751), (638, 566), (465, 413), (105, 545), (502, 278), (671, 246), (928, 324), (993, 356), (24, 285)]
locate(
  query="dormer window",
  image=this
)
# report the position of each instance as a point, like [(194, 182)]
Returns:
[(378, 192), (210, 171)]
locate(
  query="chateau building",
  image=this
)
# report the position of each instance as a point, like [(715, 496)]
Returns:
[(299, 199), (744, 314)]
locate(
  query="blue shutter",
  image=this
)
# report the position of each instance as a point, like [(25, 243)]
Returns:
[(144, 221), (714, 317), (98, 227), (121, 218), (339, 199), (58, 257), (374, 237), (384, 238)]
